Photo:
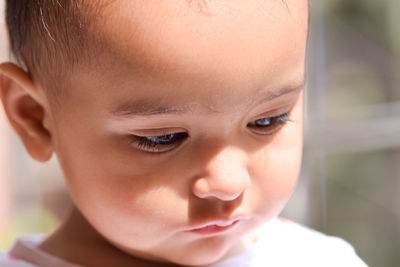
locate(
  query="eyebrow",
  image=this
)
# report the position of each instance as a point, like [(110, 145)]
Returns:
[(154, 107)]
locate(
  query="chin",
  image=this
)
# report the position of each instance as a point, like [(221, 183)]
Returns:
[(198, 260), (211, 251)]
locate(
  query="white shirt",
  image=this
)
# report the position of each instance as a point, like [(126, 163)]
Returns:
[(279, 243)]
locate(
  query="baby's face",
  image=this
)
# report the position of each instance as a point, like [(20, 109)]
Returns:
[(185, 133)]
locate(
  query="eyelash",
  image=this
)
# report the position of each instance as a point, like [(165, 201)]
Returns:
[(168, 142), (146, 143)]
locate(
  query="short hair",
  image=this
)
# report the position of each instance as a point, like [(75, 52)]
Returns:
[(48, 37)]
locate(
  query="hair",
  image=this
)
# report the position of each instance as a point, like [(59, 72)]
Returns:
[(49, 37)]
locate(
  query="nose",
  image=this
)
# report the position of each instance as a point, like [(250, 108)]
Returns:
[(225, 177)]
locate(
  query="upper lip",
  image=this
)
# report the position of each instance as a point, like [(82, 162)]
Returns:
[(220, 223)]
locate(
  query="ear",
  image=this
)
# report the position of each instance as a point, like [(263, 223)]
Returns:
[(25, 109)]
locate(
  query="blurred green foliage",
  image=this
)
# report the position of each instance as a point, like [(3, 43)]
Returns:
[(27, 221)]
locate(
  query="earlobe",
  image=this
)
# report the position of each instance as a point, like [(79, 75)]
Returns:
[(25, 109)]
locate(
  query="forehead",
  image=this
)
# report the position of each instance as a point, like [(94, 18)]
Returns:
[(204, 34), (226, 43)]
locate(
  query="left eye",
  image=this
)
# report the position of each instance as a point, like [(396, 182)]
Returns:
[(269, 125)]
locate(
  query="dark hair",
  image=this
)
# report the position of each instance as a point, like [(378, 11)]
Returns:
[(48, 37)]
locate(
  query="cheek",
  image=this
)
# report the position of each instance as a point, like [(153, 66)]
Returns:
[(275, 169), (123, 201), (135, 215)]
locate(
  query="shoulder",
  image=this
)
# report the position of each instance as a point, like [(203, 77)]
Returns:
[(9, 261), (14, 257), (293, 243)]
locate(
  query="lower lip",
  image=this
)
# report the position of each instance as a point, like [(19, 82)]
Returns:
[(213, 229)]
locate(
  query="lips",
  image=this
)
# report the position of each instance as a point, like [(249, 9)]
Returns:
[(215, 227)]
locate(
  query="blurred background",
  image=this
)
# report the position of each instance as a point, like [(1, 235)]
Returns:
[(350, 181)]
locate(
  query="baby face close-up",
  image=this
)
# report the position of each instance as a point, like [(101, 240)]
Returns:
[(184, 133)]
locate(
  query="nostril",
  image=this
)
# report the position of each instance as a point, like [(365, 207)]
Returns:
[(225, 189), (228, 196), (201, 188)]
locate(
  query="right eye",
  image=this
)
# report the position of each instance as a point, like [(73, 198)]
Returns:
[(158, 143)]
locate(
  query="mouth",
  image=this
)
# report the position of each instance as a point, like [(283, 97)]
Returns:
[(216, 227)]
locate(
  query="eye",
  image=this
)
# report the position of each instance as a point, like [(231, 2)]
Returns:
[(269, 125), (158, 143)]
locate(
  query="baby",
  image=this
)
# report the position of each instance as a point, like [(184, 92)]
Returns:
[(177, 125)]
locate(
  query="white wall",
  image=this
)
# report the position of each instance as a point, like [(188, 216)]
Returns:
[(5, 169)]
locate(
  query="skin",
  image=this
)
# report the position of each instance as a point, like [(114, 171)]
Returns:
[(210, 77)]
